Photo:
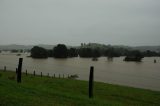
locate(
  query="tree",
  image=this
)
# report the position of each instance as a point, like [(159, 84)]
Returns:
[(111, 52), (149, 53), (39, 52), (14, 51), (96, 53), (85, 52), (50, 53), (134, 55), (21, 51), (60, 51), (72, 52)]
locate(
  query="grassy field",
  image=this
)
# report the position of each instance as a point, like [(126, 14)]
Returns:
[(37, 91)]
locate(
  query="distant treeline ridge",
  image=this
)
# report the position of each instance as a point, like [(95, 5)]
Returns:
[(61, 51)]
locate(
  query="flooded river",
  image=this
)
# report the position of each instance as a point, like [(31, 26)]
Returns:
[(145, 74)]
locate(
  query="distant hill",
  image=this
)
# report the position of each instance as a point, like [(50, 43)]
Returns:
[(24, 47), (14, 46), (151, 48)]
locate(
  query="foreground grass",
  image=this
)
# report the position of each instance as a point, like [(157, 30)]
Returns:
[(37, 91)]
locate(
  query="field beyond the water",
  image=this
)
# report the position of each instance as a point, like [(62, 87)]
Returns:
[(45, 91)]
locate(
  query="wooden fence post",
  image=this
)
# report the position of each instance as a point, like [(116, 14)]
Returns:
[(91, 82), (26, 72), (59, 76), (54, 75), (41, 74), (19, 70), (16, 70), (34, 73), (4, 68), (48, 75)]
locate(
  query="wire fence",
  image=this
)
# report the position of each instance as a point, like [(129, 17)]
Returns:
[(38, 73)]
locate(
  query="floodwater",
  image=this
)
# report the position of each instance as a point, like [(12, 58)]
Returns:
[(145, 74)]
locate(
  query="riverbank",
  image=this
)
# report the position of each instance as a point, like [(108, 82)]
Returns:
[(45, 91)]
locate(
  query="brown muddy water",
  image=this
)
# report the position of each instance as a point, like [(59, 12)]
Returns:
[(145, 74)]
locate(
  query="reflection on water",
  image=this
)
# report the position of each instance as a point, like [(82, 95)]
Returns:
[(145, 74), (110, 59)]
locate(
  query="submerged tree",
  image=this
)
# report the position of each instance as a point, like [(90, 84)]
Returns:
[(149, 53), (72, 52), (88, 52), (39, 52), (85, 52), (14, 51), (60, 51), (111, 52), (96, 53), (50, 53), (134, 55)]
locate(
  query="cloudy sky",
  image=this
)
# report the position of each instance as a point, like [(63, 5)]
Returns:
[(124, 22)]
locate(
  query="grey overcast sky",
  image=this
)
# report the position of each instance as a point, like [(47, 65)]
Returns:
[(124, 22)]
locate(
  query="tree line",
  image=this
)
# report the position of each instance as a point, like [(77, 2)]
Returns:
[(61, 51)]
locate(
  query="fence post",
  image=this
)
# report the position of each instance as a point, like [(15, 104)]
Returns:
[(19, 70), (34, 73), (91, 82), (16, 70), (41, 74), (54, 75), (48, 75), (4, 68), (26, 72), (59, 76), (63, 75)]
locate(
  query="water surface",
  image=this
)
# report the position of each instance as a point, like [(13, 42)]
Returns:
[(145, 74)]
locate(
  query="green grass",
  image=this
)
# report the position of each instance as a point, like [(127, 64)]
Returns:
[(37, 91)]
